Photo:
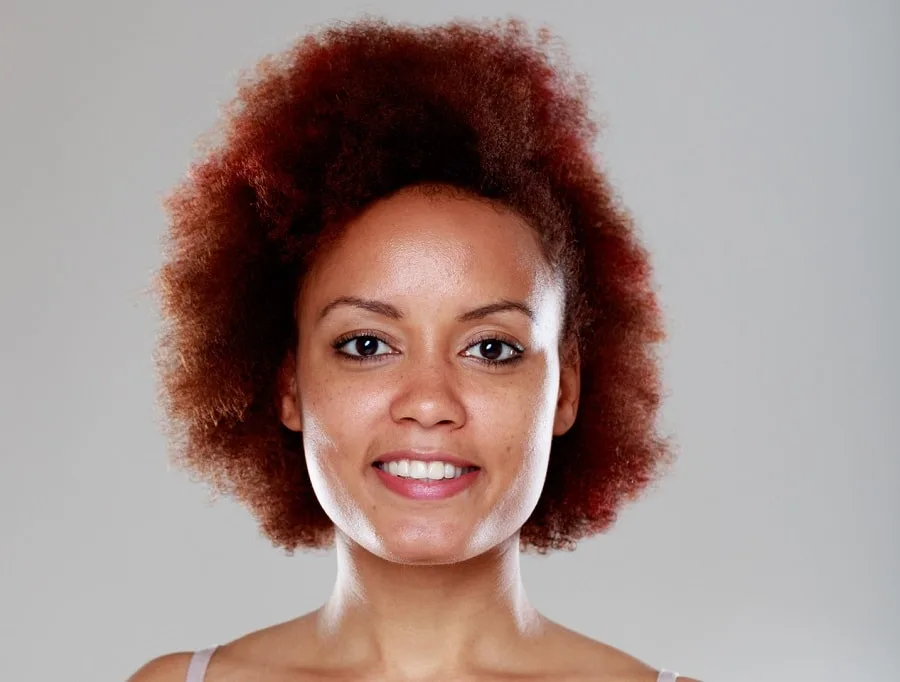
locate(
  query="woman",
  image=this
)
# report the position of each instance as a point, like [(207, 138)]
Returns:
[(390, 291)]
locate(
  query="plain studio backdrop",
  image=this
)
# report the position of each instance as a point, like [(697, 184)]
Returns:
[(758, 147)]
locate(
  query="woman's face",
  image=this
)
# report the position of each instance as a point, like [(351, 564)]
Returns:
[(430, 330)]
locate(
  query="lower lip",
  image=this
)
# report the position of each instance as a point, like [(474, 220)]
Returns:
[(417, 489)]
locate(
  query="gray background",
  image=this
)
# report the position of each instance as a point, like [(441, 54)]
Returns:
[(757, 145)]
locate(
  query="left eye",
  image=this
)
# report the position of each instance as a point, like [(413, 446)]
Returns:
[(492, 350)]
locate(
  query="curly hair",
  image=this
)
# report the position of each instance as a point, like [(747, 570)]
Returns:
[(353, 112)]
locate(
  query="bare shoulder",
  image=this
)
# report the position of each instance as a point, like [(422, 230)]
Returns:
[(235, 659), (590, 655), (168, 668)]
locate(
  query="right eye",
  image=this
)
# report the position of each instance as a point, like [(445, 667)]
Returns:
[(360, 347)]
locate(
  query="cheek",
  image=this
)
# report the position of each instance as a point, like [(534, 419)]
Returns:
[(329, 449), (340, 414), (528, 427), (325, 441), (520, 410), (339, 401), (348, 406)]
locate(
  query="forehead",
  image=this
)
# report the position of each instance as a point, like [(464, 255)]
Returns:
[(443, 246)]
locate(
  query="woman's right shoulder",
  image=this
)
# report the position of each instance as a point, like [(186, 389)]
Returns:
[(167, 668), (250, 651)]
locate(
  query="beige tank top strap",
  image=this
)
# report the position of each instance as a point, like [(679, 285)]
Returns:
[(199, 662)]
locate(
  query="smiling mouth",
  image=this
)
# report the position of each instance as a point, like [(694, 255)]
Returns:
[(425, 472)]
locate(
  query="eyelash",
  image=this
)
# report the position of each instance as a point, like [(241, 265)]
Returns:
[(343, 340)]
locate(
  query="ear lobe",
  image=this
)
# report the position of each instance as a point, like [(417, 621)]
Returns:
[(289, 402), (290, 413), (569, 391)]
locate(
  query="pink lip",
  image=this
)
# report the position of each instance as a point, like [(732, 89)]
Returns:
[(424, 457), (418, 489)]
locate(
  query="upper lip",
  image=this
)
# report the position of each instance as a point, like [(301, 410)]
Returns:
[(430, 456)]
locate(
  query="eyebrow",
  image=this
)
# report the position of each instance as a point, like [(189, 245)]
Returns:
[(388, 310)]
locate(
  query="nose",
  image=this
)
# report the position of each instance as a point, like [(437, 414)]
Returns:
[(428, 394)]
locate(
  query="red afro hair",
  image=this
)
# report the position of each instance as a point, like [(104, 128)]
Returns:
[(352, 113)]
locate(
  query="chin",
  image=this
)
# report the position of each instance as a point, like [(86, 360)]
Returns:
[(425, 544)]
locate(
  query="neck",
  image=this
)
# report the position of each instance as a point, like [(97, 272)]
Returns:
[(416, 621)]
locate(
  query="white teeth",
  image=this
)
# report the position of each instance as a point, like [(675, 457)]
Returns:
[(431, 471), (436, 470), (418, 469)]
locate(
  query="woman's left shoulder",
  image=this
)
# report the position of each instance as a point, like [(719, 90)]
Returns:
[(617, 666)]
